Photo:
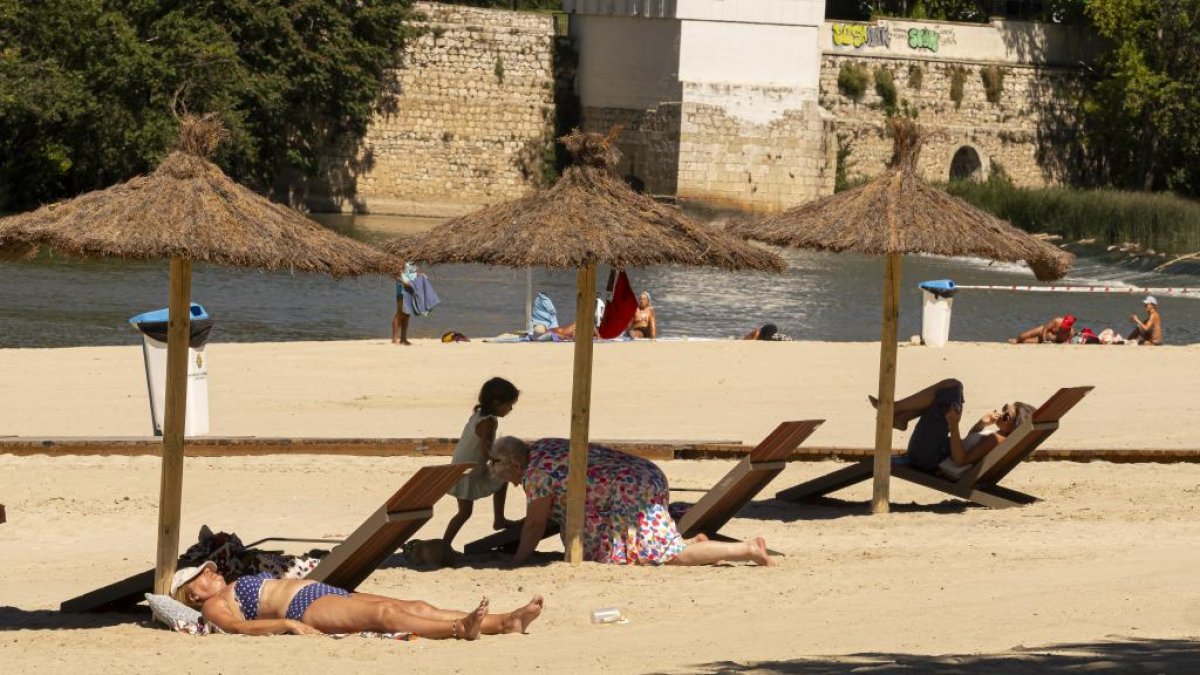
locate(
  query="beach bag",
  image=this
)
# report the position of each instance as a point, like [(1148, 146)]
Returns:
[(454, 336)]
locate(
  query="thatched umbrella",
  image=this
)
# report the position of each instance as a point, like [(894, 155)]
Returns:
[(899, 213), (589, 217), (187, 210)]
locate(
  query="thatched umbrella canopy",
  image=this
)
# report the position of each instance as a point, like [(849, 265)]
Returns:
[(187, 210), (589, 217), (899, 213)]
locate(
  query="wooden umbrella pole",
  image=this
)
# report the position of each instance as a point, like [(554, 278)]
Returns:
[(174, 419), (887, 384), (581, 403)]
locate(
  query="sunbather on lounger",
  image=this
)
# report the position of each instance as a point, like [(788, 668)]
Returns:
[(259, 605), (626, 520), (938, 410)]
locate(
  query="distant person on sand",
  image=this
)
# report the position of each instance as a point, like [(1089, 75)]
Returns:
[(1148, 332), (626, 521), (260, 605), (496, 399), (645, 323), (936, 438), (1058, 330), (414, 295)]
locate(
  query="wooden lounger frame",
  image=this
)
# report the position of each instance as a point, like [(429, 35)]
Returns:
[(980, 483), (347, 565)]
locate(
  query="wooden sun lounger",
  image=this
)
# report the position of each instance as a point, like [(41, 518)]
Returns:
[(743, 482), (979, 483), (346, 565)]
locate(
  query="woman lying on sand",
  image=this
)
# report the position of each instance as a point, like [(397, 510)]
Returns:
[(938, 410), (260, 605), (626, 520)]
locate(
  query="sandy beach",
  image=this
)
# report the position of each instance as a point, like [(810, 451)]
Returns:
[(1101, 571)]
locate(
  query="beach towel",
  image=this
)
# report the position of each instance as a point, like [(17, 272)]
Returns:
[(620, 309), (421, 299), (543, 313)]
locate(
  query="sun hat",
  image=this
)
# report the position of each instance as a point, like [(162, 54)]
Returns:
[(1150, 301), (185, 575)]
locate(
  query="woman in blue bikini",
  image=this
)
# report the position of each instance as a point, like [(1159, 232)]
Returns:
[(261, 605)]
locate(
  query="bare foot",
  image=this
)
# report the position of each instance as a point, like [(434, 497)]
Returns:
[(395, 341), (899, 420), (758, 552), (472, 623), (519, 620), (406, 343)]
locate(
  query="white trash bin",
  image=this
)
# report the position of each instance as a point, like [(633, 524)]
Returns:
[(153, 327), (935, 311)]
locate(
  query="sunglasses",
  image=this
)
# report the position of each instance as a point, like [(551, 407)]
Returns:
[(1006, 414)]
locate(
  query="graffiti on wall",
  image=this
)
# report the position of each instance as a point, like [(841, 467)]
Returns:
[(923, 38), (860, 35)]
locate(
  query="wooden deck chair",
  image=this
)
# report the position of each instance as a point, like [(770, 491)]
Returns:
[(348, 564), (979, 482), (743, 482)]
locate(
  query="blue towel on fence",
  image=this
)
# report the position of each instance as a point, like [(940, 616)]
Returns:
[(543, 313), (422, 298)]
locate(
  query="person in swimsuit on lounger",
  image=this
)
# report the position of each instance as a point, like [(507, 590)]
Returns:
[(260, 605), (1058, 330), (938, 411)]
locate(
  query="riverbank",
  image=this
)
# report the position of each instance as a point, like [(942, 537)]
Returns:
[(727, 391)]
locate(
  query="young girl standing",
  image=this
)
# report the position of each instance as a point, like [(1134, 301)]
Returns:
[(496, 399)]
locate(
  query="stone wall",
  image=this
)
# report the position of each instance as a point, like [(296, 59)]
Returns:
[(471, 122), (1030, 131)]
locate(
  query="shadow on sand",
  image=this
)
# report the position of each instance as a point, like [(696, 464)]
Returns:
[(1118, 656), (830, 508), (14, 618)]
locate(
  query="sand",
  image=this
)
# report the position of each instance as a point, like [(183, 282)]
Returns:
[(1102, 571)]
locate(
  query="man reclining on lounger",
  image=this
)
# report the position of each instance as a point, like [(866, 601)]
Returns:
[(938, 410), (260, 605)]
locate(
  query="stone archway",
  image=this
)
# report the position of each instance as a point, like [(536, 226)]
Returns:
[(967, 165)]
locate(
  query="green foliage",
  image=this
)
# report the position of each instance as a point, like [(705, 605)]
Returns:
[(958, 79), (852, 81), (1142, 115), (531, 5), (916, 77), (1164, 222), (1058, 11), (841, 181), (885, 87), (993, 82), (87, 86)]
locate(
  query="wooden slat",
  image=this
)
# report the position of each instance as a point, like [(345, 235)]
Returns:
[(390, 526), (830, 482), (1060, 404)]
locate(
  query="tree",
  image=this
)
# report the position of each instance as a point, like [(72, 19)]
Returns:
[(1142, 114), (87, 87)]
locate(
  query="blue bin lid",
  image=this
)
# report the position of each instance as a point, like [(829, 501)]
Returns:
[(163, 315), (943, 288)]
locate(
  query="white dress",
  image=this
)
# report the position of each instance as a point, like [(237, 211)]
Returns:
[(478, 482)]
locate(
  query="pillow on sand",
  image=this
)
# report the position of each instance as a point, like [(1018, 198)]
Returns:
[(174, 614)]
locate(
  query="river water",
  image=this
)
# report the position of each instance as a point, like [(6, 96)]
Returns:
[(63, 302)]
